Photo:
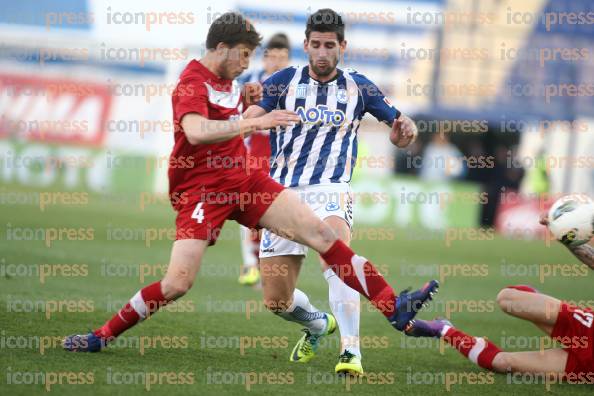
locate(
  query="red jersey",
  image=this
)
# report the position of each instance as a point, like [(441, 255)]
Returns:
[(205, 167)]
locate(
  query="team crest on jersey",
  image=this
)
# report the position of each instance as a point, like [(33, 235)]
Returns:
[(321, 114), (301, 91), (341, 96)]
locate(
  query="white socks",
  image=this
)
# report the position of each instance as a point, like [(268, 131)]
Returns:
[(346, 307), (301, 311)]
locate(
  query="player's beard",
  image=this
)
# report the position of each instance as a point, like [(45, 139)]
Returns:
[(323, 71), (229, 72), (230, 68)]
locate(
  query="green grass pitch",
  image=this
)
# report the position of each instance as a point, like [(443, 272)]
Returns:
[(219, 339)]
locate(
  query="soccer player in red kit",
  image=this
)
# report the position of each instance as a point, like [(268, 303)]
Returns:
[(568, 324), (211, 182)]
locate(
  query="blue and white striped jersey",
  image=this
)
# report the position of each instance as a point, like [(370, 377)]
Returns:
[(323, 147)]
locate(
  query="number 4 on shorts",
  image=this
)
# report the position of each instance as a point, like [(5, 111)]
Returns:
[(198, 213)]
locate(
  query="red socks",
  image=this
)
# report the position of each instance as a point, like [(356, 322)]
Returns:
[(361, 275), (477, 349), (141, 305), (355, 271)]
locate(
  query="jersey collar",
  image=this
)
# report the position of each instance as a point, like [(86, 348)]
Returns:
[(336, 77), (204, 70)]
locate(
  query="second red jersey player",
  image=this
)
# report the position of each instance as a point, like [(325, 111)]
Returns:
[(569, 325)]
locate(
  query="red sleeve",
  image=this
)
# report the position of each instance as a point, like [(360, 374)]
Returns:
[(192, 97)]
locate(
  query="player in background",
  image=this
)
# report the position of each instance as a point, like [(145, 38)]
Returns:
[(210, 182), (570, 325), (275, 57), (316, 159)]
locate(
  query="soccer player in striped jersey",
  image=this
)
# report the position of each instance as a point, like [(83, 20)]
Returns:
[(316, 159), (568, 324), (275, 58)]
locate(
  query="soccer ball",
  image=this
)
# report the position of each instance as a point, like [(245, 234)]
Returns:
[(571, 219)]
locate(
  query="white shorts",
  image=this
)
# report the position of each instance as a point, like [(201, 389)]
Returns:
[(325, 200)]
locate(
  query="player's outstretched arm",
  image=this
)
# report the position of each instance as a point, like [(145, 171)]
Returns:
[(254, 111), (200, 130), (584, 253), (404, 130)]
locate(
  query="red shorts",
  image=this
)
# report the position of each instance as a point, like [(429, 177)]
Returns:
[(245, 204), (575, 330)]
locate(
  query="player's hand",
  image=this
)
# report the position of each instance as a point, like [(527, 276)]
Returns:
[(278, 118), (544, 219), (252, 93), (404, 132)]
